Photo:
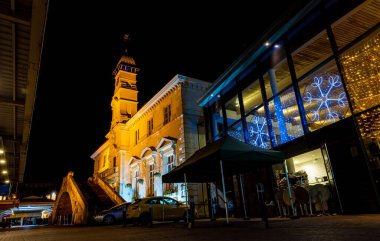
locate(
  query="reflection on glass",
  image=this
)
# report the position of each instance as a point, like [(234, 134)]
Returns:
[(277, 75), (356, 22), (324, 98), (252, 96), (361, 69), (286, 121), (216, 118), (311, 54), (232, 110), (258, 129), (236, 131)]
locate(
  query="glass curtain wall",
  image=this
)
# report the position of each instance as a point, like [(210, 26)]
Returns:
[(321, 83), (357, 36)]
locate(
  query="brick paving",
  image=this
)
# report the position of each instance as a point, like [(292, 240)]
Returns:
[(337, 228)]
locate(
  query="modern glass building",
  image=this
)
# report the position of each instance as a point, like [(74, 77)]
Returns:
[(309, 87)]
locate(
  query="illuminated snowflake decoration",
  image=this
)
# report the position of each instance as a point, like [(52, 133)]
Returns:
[(257, 131), (325, 100)]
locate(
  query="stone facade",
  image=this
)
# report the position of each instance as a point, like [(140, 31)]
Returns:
[(142, 146)]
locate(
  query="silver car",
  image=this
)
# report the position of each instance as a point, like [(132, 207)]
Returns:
[(112, 215), (149, 209)]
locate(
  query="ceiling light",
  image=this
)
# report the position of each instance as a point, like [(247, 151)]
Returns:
[(267, 44), (2, 161)]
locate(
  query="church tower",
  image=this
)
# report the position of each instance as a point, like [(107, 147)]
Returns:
[(124, 101)]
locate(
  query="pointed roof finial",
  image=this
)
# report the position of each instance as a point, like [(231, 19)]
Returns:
[(126, 63)]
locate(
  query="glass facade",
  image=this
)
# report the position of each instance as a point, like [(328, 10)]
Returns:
[(216, 119), (252, 96), (285, 118), (236, 131), (361, 69), (322, 72), (302, 84)]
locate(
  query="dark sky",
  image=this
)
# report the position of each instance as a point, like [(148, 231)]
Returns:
[(84, 41)]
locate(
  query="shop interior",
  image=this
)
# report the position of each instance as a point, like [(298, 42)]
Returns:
[(303, 185)]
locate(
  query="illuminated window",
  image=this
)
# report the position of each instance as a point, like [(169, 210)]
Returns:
[(232, 110), (324, 98), (216, 119), (369, 127), (311, 54), (104, 160), (150, 127), (361, 68), (277, 75), (170, 163), (284, 117), (167, 114), (137, 136), (257, 127), (252, 96), (236, 131)]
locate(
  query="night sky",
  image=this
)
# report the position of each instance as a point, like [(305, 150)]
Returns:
[(83, 43)]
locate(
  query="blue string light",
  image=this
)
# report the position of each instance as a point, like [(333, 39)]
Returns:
[(325, 99), (258, 132)]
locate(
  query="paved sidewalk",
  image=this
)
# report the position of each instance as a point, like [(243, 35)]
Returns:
[(337, 228)]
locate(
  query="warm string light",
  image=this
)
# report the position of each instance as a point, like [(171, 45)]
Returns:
[(369, 124), (4, 176), (361, 67)]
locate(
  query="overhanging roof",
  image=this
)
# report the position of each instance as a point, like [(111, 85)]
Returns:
[(22, 27), (272, 35), (237, 157)]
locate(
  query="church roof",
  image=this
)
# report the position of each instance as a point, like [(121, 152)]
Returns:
[(127, 60)]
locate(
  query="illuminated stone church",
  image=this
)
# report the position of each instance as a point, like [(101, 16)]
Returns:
[(144, 144)]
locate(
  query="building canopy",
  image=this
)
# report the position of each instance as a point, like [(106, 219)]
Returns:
[(237, 157)]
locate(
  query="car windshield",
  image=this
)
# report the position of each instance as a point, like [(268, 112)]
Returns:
[(136, 202)]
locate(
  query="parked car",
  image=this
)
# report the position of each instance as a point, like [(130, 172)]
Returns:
[(149, 209), (5, 223), (112, 215)]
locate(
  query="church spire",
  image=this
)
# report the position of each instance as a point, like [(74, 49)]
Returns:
[(126, 63), (124, 101)]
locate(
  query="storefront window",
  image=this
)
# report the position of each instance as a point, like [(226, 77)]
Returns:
[(307, 173), (285, 118), (277, 75), (236, 131), (252, 96), (369, 126), (312, 53), (323, 96), (233, 110), (257, 127), (356, 22), (361, 69), (216, 119)]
